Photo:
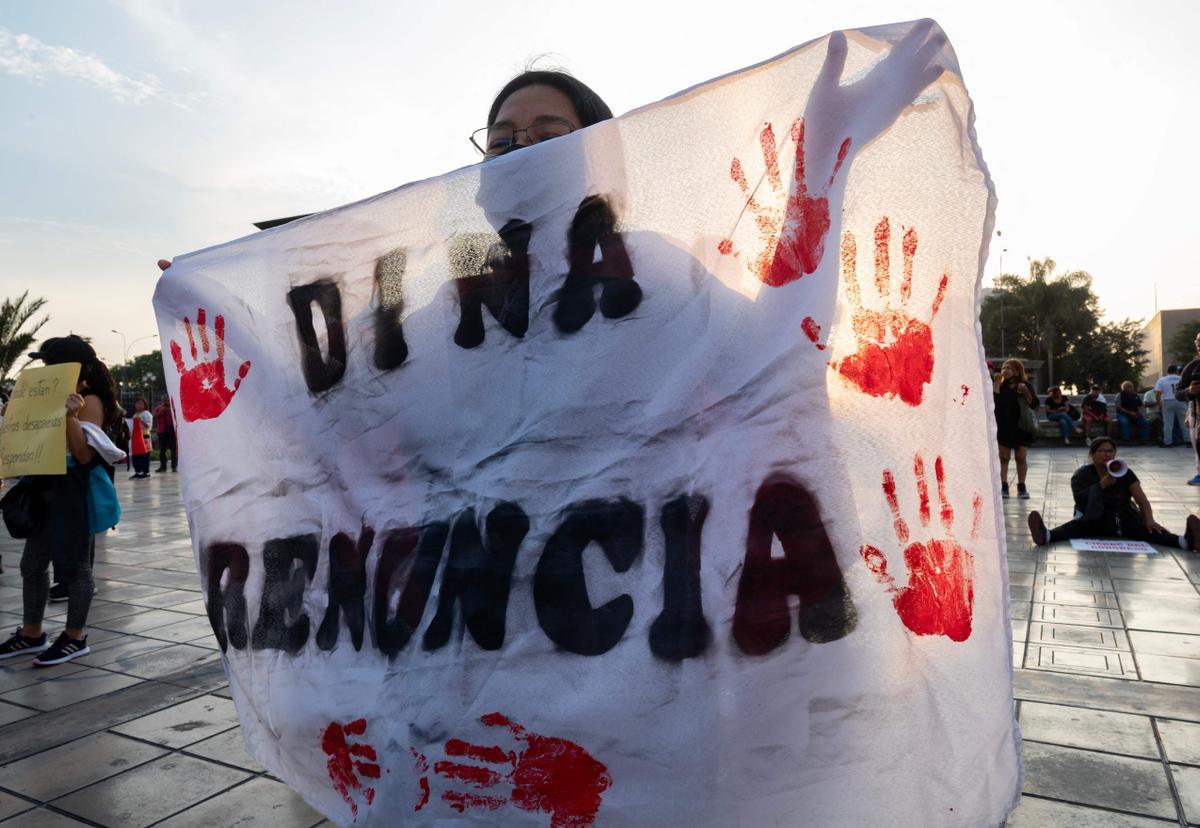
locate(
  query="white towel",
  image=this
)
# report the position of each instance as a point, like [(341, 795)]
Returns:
[(97, 439)]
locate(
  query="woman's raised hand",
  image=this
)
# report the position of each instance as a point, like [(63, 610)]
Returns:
[(74, 404)]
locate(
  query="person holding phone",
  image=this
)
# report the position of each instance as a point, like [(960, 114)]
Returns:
[(1010, 391), (1110, 503)]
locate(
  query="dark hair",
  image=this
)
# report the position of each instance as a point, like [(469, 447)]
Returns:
[(95, 373), (1099, 441), (589, 106), (1172, 369)]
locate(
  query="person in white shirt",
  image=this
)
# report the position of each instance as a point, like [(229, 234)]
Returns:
[(1173, 411)]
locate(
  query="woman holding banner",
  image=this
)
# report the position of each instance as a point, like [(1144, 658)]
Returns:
[(1106, 491), (73, 510)]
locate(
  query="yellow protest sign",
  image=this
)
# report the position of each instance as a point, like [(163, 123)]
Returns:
[(33, 438)]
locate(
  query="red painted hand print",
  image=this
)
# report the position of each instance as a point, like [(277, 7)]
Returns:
[(203, 390), (792, 226), (895, 350), (940, 595), (547, 774), (347, 761)]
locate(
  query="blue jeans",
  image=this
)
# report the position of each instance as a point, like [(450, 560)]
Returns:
[(1065, 424), (1123, 420)]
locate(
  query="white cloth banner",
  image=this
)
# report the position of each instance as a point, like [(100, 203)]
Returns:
[(641, 477)]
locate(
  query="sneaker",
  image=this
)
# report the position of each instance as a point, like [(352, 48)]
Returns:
[(1037, 529), (58, 593), (65, 648), (19, 645), (163, 469), (1195, 481), (1022, 492), (1191, 535), (1004, 490)]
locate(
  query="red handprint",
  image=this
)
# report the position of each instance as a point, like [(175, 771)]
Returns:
[(792, 227), (940, 594), (344, 768), (895, 350), (548, 775), (203, 390)]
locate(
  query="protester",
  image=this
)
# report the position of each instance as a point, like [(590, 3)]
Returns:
[(164, 425), (76, 506), (1010, 392), (1058, 410), (1188, 392), (139, 442), (1095, 410), (1172, 411), (1105, 506), (1130, 410)]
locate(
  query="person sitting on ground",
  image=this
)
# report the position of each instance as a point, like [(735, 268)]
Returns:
[(1095, 410), (1058, 410), (1105, 507), (1130, 409)]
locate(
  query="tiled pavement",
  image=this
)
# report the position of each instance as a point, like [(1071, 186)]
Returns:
[(142, 732)]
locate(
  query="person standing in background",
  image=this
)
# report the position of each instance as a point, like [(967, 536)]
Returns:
[(1173, 411), (140, 423), (1188, 392), (164, 425)]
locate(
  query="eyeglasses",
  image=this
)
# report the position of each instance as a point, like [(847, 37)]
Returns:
[(493, 140)]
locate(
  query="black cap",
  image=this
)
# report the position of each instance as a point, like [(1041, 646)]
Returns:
[(60, 349)]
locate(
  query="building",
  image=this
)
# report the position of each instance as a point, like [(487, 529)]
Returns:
[(1157, 334)]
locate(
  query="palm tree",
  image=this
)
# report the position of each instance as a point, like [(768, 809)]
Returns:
[(1046, 314), (15, 315)]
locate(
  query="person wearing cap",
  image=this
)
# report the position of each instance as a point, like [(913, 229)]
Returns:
[(65, 536), (1105, 498)]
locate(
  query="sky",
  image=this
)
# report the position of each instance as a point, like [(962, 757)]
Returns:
[(134, 131)]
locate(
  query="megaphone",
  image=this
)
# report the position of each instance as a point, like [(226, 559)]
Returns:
[(1117, 468)]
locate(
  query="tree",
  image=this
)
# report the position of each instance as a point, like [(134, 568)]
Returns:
[(1110, 355), (133, 378), (1040, 317), (14, 316), (1181, 347)]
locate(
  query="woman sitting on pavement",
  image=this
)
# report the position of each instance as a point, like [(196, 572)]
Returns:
[(1058, 410), (65, 533), (1104, 506)]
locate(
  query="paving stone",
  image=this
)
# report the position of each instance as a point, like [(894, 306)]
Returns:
[(20, 672), (1169, 670), (144, 621), (1110, 663), (1172, 644), (87, 683), (227, 747), (169, 600), (1072, 635), (12, 805), (1187, 781), (151, 792), (260, 802), (110, 653), (1165, 700), (1034, 812), (42, 818), (194, 627), (12, 713), (1174, 589), (1088, 616), (184, 724), (1137, 786), (1092, 729), (1181, 740), (53, 773), (1174, 622)]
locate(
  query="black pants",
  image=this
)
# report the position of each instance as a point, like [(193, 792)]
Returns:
[(35, 582), (166, 443), (1124, 525), (141, 464)]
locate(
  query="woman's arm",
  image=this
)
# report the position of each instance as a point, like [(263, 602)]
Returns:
[(82, 408), (1143, 504), (1089, 496)]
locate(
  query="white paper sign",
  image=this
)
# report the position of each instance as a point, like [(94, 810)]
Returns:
[(1105, 545), (641, 477)]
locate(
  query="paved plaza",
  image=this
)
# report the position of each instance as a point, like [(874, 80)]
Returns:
[(142, 731)]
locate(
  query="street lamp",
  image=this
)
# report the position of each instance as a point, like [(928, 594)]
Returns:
[(125, 347)]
